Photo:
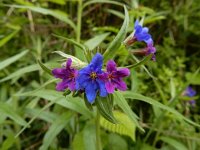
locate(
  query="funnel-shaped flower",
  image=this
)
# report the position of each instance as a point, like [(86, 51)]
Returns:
[(113, 77), (141, 33), (89, 80), (68, 76)]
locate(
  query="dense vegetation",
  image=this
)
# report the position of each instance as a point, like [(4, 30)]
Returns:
[(33, 115)]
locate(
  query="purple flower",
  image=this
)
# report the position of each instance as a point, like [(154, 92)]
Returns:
[(89, 80), (68, 76), (141, 33), (150, 49), (113, 77)]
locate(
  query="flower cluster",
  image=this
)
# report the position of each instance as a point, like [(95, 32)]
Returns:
[(190, 93), (92, 79), (141, 34)]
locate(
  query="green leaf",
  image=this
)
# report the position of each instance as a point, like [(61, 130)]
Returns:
[(142, 62), (95, 41), (192, 78), (89, 137), (102, 1), (55, 13), (115, 12), (33, 118), (21, 72), (116, 142), (8, 111), (122, 103), (61, 2), (78, 143), (8, 37), (125, 125), (72, 103), (45, 68), (12, 59), (44, 115), (136, 96), (116, 43), (9, 142), (56, 127), (104, 105), (82, 47), (176, 144)]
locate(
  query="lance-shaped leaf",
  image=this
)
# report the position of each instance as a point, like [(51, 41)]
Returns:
[(122, 103), (116, 43), (105, 105)]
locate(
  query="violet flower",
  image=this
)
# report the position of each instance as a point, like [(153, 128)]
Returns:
[(150, 49), (113, 77), (89, 80), (68, 76)]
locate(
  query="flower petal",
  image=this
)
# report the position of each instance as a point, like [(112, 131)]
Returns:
[(97, 61), (59, 73), (123, 72), (61, 86), (121, 85), (103, 76), (110, 87), (102, 88), (72, 85), (111, 66), (90, 92), (68, 63)]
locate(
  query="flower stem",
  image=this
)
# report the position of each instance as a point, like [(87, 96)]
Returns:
[(79, 20), (98, 138)]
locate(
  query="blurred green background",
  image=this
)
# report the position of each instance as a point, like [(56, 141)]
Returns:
[(27, 93)]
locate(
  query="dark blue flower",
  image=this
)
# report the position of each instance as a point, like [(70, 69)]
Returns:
[(141, 33), (89, 80)]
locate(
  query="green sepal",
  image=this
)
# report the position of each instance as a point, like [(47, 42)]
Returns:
[(67, 92), (75, 94), (45, 68), (105, 106)]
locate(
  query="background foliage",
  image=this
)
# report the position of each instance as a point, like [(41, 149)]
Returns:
[(35, 116)]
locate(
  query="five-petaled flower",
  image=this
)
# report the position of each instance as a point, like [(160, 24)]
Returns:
[(113, 77), (88, 79), (68, 76)]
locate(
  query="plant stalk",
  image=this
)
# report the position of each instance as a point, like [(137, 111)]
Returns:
[(98, 136)]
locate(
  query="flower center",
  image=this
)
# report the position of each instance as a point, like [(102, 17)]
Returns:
[(71, 76), (110, 76), (93, 75)]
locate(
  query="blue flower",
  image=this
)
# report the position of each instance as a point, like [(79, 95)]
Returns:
[(89, 80), (190, 93), (141, 33)]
